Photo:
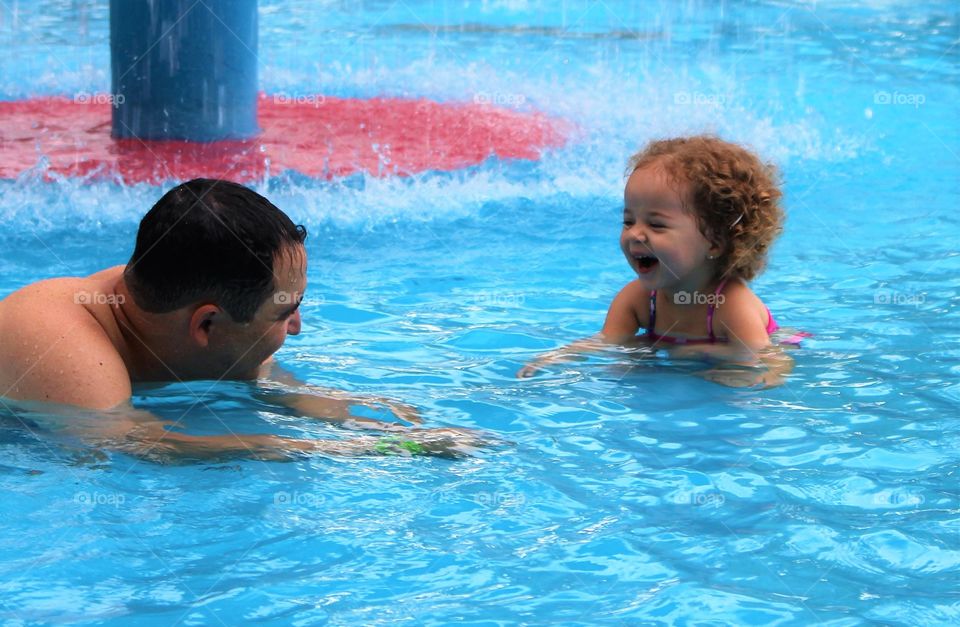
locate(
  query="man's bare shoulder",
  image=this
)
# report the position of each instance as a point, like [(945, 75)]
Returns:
[(62, 293), (62, 297), (110, 274), (57, 342)]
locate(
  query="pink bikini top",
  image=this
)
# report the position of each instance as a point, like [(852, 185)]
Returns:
[(772, 325)]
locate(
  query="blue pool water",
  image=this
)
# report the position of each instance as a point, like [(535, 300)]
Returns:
[(632, 492)]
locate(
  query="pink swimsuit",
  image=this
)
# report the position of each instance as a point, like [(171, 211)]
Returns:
[(772, 325)]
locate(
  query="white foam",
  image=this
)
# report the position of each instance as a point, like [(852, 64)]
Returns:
[(614, 113)]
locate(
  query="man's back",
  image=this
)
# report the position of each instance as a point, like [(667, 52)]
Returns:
[(60, 342)]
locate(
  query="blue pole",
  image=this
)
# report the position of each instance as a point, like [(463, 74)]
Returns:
[(184, 69)]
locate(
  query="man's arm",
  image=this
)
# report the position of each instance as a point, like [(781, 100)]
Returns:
[(143, 434), (75, 367), (334, 406), (54, 357)]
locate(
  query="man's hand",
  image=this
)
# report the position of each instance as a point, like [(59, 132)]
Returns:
[(151, 439), (333, 405), (338, 408)]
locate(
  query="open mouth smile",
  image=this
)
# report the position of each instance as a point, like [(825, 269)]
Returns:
[(646, 263)]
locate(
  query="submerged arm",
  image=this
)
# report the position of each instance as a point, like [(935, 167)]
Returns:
[(564, 353), (331, 405), (143, 434), (748, 358), (620, 327)]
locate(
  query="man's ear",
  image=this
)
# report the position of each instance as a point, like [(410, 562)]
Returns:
[(202, 322)]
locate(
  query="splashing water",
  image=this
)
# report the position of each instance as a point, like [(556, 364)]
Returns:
[(634, 492)]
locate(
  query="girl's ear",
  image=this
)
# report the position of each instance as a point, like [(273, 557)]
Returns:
[(717, 246)]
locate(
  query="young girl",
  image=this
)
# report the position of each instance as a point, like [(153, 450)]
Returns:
[(699, 217)]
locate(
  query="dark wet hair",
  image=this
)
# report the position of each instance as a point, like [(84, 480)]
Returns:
[(209, 239)]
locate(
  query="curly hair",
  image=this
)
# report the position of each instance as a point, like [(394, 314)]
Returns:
[(735, 197)]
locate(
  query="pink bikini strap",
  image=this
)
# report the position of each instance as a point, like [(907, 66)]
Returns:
[(653, 313), (711, 307)]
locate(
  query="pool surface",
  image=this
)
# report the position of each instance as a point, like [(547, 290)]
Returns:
[(633, 492)]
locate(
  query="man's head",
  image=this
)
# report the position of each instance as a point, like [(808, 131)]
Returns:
[(228, 260), (210, 240)]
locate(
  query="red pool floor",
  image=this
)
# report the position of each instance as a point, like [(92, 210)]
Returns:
[(317, 136)]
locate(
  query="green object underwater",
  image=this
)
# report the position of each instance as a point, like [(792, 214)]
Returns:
[(393, 445)]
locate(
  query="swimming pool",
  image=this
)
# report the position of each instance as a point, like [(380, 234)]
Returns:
[(633, 492)]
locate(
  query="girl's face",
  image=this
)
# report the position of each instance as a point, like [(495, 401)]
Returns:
[(661, 239)]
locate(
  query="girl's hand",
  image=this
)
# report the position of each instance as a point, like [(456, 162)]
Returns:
[(527, 371), (565, 353), (532, 368)]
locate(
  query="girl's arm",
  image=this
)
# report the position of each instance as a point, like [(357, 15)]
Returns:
[(742, 320), (624, 318), (620, 326)]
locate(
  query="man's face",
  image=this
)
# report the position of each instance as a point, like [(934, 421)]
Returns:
[(246, 345)]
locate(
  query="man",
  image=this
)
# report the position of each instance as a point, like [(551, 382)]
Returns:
[(211, 292)]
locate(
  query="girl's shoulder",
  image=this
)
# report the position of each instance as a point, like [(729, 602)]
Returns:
[(639, 300), (736, 292), (737, 307), (629, 311)]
